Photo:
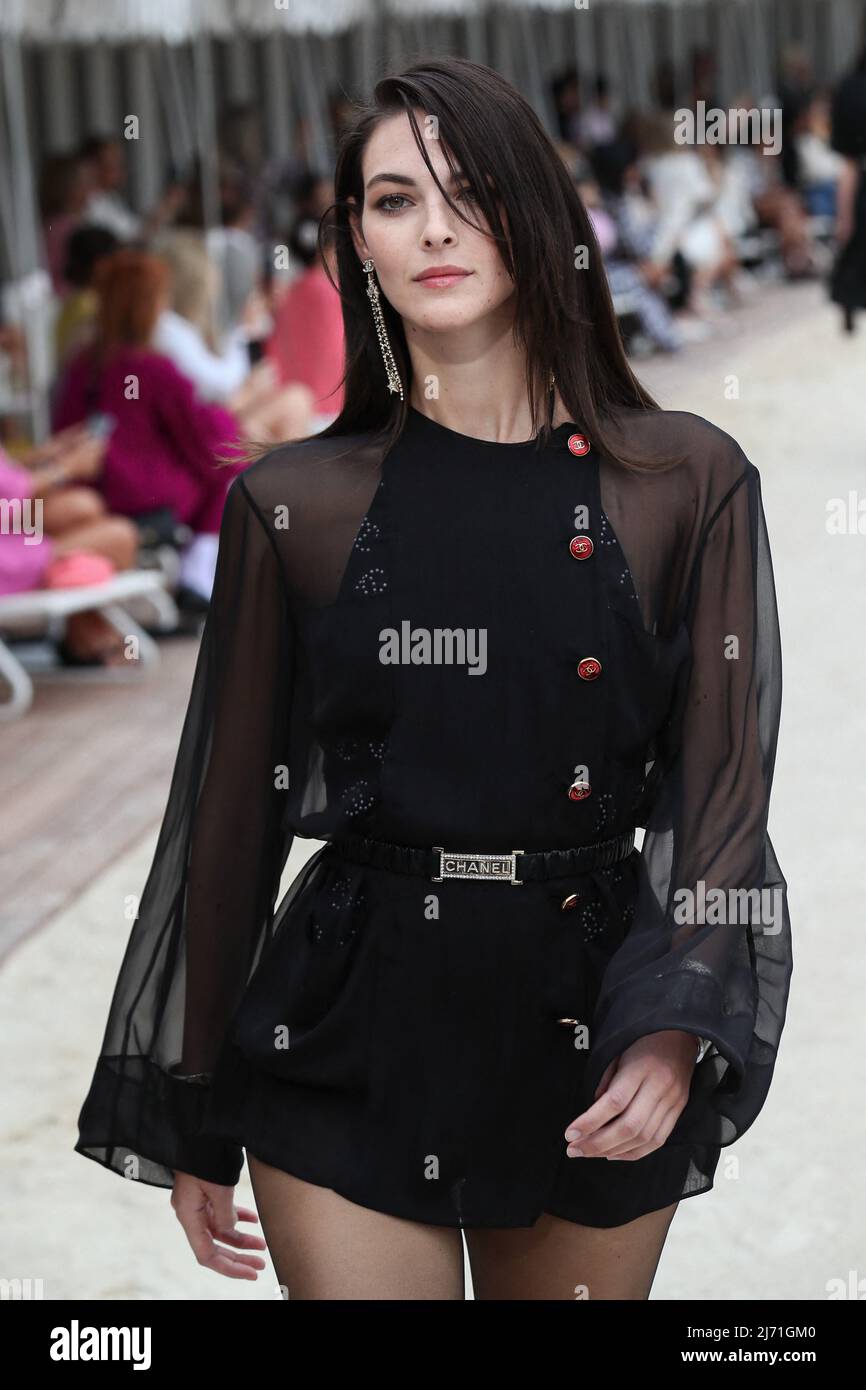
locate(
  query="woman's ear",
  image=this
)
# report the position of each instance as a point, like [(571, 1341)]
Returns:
[(358, 241)]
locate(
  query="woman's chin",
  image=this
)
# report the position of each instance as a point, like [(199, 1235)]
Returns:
[(447, 318)]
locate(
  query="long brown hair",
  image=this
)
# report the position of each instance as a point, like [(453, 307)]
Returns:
[(564, 317), (130, 284)]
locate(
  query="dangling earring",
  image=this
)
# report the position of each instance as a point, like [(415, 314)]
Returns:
[(394, 382), (552, 382)]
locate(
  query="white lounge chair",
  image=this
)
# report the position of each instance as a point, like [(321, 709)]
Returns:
[(43, 609)]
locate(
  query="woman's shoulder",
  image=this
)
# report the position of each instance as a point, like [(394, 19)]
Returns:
[(683, 448), (316, 473), (692, 468)]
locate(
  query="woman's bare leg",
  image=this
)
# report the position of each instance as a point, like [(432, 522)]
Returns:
[(90, 634), (326, 1247), (556, 1259)]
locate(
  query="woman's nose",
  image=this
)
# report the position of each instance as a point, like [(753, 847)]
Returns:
[(438, 229)]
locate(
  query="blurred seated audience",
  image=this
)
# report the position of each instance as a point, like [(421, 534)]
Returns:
[(819, 165), (106, 206), (64, 535), (623, 263), (219, 365), (165, 440), (308, 342), (780, 207), (65, 185), (76, 320)]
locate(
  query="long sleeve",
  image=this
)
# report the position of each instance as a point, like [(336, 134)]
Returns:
[(709, 948), (197, 429), (207, 906)]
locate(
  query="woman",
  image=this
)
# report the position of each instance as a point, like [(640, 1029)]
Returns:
[(165, 442), (76, 318), (219, 365), (67, 534), (307, 344), (64, 188), (457, 655)]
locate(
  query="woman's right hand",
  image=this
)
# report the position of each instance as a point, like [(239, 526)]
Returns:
[(85, 457), (206, 1211)]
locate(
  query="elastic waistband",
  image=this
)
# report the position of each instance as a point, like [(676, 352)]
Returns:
[(511, 866)]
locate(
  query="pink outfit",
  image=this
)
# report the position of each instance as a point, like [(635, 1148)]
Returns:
[(24, 553), (307, 343), (161, 451)]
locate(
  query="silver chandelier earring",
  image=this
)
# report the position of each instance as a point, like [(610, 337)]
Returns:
[(394, 382)]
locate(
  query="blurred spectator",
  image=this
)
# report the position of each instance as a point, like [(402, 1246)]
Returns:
[(165, 440), (848, 138), (68, 525), (106, 205), (65, 184), (308, 343), (684, 189), (820, 166), (232, 242), (219, 364), (187, 331), (565, 89), (77, 317), (703, 86), (796, 87), (623, 244), (597, 124), (778, 206)]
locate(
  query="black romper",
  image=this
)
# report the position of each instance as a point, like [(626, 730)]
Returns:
[(477, 648)]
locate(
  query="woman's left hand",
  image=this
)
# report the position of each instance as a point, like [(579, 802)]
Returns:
[(639, 1098)]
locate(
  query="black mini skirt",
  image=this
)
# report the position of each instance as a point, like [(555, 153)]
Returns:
[(420, 1047)]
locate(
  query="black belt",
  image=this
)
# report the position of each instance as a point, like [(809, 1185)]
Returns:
[(516, 866)]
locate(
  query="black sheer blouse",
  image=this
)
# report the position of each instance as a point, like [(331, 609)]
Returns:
[(295, 727)]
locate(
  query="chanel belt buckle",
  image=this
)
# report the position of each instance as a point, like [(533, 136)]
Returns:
[(483, 867)]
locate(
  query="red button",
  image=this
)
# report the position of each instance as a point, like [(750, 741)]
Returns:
[(589, 668), (571, 901), (581, 547), (578, 444), (579, 790)]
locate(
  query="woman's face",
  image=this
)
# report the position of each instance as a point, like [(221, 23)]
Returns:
[(410, 231)]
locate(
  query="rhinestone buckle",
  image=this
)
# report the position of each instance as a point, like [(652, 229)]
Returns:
[(489, 868)]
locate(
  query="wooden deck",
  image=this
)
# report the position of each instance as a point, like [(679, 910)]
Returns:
[(83, 775)]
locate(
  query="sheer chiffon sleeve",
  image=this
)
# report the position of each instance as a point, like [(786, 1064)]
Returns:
[(207, 906), (709, 948)]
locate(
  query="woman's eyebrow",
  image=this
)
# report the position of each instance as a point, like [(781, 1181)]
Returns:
[(405, 180)]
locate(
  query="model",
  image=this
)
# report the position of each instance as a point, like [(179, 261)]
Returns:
[(503, 611)]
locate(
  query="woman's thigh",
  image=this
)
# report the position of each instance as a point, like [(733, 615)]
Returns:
[(326, 1247), (557, 1259)]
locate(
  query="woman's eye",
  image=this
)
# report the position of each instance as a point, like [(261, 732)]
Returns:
[(389, 198), (468, 192)]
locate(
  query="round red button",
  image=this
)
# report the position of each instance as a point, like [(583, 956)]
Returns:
[(588, 668), (571, 901), (579, 790), (581, 547), (578, 444)]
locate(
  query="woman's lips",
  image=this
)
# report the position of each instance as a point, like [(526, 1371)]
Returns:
[(442, 282)]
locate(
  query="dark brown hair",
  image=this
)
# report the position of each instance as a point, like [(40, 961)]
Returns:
[(564, 317)]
